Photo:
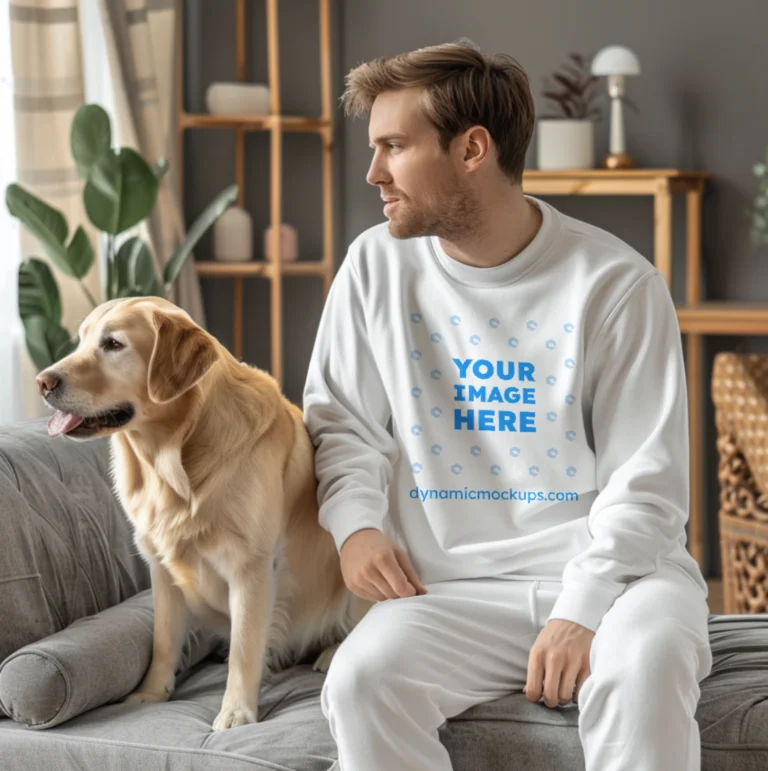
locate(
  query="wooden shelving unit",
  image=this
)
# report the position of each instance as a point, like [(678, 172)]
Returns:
[(276, 124), (697, 318)]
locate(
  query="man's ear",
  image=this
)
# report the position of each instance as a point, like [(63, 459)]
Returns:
[(182, 354)]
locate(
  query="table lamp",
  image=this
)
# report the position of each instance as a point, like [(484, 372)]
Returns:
[(616, 62)]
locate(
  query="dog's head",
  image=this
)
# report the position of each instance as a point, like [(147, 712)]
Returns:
[(134, 357)]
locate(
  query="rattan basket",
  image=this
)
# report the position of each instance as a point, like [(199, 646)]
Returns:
[(740, 394)]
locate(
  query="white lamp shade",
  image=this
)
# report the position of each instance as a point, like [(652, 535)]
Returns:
[(615, 60)]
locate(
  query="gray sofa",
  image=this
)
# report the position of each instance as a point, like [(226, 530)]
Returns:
[(66, 556)]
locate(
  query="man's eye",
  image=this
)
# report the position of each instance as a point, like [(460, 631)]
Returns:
[(111, 344)]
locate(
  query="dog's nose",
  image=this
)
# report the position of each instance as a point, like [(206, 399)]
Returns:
[(47, 381)]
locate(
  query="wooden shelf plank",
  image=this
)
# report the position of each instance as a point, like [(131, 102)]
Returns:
[(617, 173), (293, 123), (609, 182), (255, 268), (724, 318)]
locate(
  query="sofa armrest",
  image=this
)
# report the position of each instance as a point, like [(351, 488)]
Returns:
[(66, 546)]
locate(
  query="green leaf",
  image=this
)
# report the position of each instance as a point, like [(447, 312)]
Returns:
[(120, 192), (110, 283), (80, 253), (38, 291), (50, 228), (136, 269), (67, 347), (44, 222), (44, 340), (210, 214), (160, 168), (131, 291), (90, 137)]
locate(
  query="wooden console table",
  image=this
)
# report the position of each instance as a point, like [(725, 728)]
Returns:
[(696, 318)]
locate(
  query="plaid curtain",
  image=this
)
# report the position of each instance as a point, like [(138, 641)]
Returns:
[(140, 37), (48, 89)]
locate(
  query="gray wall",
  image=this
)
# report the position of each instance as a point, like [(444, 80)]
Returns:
[(701, 100)]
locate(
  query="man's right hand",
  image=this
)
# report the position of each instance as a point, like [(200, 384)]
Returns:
[(375, 568)]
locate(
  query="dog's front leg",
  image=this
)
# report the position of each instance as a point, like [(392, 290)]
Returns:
[(170, 627), (250, 596)]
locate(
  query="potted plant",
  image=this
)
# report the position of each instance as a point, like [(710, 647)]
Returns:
[(566, 134), (120, 191), (759, 210)]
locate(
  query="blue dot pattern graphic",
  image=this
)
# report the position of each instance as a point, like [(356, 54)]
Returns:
[(476, 450)]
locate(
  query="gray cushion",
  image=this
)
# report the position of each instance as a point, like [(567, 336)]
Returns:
[(66, 547), (293, 735), (94, 661)]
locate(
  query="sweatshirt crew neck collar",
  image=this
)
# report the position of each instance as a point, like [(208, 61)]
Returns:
[(514, 268)]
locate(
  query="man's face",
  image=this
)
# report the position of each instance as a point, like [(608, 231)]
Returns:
[(425, 189)]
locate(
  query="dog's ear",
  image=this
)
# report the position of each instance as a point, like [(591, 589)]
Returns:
[(182, 355)]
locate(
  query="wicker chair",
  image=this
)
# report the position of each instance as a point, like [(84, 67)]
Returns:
[(740, 394)]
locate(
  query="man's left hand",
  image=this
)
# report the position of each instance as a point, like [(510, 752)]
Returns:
[(558, 663)]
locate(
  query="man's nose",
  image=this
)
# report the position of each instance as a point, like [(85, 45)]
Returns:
[(377, 174), (47, 381)]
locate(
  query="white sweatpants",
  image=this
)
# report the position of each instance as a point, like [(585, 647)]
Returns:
[(413, 662)]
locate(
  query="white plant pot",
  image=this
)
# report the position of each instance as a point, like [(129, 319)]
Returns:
[(564, 144)]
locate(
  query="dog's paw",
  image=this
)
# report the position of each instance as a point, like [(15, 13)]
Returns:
[(323, 661), (146, 697), (233, 717)]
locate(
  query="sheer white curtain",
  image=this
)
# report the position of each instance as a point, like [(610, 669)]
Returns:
[(11, 333)]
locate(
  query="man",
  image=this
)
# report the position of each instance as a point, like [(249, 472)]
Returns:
[(497, 399)]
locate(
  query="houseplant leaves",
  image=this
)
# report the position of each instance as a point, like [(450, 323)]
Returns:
[(120, 192)]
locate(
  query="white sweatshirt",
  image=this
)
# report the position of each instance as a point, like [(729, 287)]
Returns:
[(538, 412)]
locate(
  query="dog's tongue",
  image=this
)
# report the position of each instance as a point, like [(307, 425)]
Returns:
[(63, 423)]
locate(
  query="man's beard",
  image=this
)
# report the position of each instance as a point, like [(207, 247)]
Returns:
[(451, 215)]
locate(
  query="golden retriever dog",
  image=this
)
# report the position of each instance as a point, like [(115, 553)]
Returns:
[(215, 468)]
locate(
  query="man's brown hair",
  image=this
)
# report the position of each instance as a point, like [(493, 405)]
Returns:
[(463, 87)]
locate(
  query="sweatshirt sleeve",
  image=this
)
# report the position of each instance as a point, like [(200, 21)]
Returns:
[(640, 429), (346, 411)]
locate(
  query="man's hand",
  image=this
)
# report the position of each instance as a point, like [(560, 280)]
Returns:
[(559, 662), (375, 568)]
